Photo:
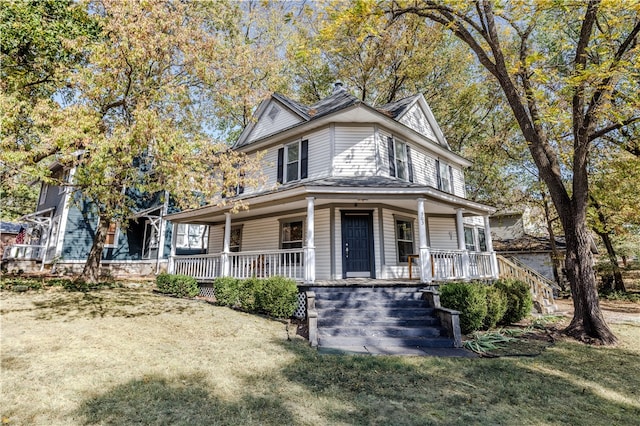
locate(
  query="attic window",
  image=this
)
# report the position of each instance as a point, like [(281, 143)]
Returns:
[(273, 113)]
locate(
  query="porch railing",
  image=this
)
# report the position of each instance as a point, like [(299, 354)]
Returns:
[(202, 266), (448, 265), (23, 252), (287, 263), (480, 265)]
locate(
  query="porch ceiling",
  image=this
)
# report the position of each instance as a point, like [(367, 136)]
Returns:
[(343, 193)]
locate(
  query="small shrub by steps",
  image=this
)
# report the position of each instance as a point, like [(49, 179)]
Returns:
[(484, 306), (274, 296)]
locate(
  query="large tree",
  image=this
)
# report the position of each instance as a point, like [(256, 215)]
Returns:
[(569, 74), (136, 118)]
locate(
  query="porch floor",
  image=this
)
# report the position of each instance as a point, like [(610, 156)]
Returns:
[(366, 282)]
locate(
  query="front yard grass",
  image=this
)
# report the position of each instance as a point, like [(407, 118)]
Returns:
[(129, 356)]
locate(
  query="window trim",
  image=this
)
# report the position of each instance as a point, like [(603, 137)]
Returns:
[(291, 220), (187, 226), (449, 172), (411, 221), (392, 147), (473, 238), (239, 246)]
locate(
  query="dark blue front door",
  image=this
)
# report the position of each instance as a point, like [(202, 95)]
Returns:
[(357, 244)]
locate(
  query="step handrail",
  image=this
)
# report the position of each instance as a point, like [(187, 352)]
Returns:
[(541, 291)]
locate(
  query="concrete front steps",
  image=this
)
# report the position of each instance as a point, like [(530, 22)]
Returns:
[(379, 320)]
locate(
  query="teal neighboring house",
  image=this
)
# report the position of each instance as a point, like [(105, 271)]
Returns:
[(59, 234)]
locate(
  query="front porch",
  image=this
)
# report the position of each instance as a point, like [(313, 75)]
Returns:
[(442, 266)]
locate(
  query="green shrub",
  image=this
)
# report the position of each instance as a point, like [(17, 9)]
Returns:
[(278, 297), (21, 284), (227, 291), (248, 295), (177, 285), (496, 306), (468, 298), (519, 300)]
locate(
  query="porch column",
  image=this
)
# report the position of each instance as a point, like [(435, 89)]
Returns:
[(310, 246), (487, 236), (224, 259), (462, 246), (162, 230), (171, 268), (425, 255)]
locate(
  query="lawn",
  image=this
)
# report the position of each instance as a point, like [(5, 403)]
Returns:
[(129, 356)]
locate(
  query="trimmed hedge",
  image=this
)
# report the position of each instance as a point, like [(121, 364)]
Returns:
[(274, 296), (278, 297), (496, 306), (177, 285), (519, 300), (468, 298), (483, 306)]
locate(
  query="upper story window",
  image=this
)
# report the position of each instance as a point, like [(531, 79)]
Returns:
[(400, 164), (445, 176), (191, 236), (293, 161)]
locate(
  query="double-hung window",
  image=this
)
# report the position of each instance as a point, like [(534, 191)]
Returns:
[(291, 237), (191, 236), (400, 164), (445, 176), (404, 237), (293, 161), (469, 238), (482, 239), (112, 235), (236, 239)]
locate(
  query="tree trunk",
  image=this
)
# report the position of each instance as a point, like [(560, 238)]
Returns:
[(613, 259), (588, 323), (91, 271), (555, 255)]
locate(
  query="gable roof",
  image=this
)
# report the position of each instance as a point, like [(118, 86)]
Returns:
[(397, 109), (339, 100)]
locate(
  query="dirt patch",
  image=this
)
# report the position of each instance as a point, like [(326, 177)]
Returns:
[(614, 311)]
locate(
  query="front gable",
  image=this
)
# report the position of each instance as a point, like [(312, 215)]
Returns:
[(273, 115), (418, 116)]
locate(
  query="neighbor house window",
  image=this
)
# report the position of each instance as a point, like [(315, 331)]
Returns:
[(400, 164), (63, 181), (469, 239), (43, 193), (191, 236), (293, 161), (236, 239), (112, 235), (445, 176), (482, 239), (404, 237)]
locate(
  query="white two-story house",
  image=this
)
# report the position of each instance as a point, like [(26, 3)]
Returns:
[(352, 191)]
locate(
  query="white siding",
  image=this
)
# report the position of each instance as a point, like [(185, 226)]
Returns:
[(216, 239), (319, 153), (266, 126), (458, 182), (355, 153), (442, 233), (415, 119), (473, 221)]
